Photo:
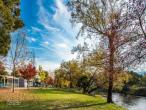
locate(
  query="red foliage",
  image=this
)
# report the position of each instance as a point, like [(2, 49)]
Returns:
[(28, 71), (49, 80)]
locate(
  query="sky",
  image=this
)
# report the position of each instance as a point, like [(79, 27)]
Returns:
[(50, 34)]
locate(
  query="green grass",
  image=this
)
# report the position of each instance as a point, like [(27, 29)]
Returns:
[(56, 99)]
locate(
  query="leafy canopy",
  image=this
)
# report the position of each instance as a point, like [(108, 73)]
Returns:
[(9, 22)]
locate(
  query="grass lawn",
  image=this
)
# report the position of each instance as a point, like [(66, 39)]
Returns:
[(52, 99)]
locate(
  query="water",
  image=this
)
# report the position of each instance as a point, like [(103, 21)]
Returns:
[(130, 102)]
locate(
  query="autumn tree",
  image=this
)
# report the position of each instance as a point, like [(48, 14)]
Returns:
[(71, 70), (107, 21), (49, 81), (19, 54), (57, 79), (68, 74), (27, 72), (60, 78), (43, 75), (93, 66), (9, 22)]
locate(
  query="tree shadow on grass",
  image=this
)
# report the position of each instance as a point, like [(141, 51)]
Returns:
[(52, 105), (78, 106)]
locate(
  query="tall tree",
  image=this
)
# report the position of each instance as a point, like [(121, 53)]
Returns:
[(9, 22), (19, 54), (106, 20)]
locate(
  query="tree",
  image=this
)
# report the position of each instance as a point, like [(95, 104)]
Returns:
[(27, 72), (121, 80), (136, 13), (9, 22), (93, 67), (83, 83), (107, 21), (49, 81), (71, 71), (135, 79), (43, 75), (68, 74), (143, 80), (60, 79), (19, 54)]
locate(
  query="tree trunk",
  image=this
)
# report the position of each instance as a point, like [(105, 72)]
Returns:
[(111, 69), (110, 88), (27, 84), (84, 90), (13, 84), (71, 85), (13, 80)]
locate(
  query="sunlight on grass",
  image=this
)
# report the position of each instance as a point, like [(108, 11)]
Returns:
[(54, 99)]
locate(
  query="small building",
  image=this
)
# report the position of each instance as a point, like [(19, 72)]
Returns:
[(6, 81)]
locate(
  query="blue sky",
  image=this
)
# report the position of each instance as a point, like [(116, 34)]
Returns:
[(50, 33)]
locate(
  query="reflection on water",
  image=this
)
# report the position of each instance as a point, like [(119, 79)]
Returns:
[(130, 102)]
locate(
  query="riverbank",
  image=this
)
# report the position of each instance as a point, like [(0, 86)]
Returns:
[(53, 99), (136, 91)]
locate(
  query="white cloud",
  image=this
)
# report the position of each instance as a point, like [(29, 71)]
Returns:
[(63, 41), (35, 29), (47, 48), (62, 16), (62, 45), (46, 25), (46, 43), (33, 39), (66, 55), (47, 65), (36, 48), (44, 15)]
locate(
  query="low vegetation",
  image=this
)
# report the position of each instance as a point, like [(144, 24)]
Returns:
[(53, 99)]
